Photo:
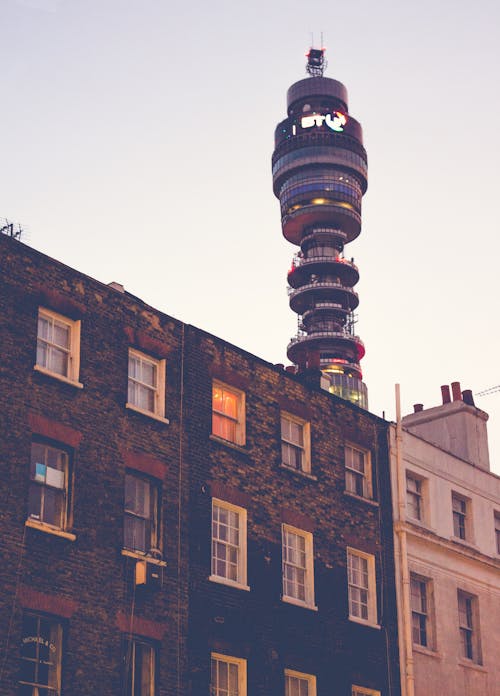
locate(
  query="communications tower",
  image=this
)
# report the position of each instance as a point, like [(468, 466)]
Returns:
[(320, 175)]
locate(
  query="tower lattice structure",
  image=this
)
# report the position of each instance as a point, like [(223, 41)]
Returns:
[(320, 175)]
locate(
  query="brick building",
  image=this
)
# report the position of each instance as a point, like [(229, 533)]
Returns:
[(178, 516)]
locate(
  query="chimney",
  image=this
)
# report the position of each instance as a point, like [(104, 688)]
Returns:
[(417, 408), (455, 390), (445, 393), (467, 397)]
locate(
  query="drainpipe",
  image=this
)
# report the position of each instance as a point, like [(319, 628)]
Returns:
[(404, 610)]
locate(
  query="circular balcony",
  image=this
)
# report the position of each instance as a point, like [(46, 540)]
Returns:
[(307, 296), (324, 340), (320, 264), (328, 214)]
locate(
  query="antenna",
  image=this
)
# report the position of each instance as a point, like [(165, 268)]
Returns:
[(316, 63), (10, 229)]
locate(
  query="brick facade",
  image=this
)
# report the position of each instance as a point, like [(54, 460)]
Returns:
[(85, 580)]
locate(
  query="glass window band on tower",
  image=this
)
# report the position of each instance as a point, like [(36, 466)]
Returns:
[(319, 176)]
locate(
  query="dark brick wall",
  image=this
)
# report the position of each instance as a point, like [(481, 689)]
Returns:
[(90, 573), (271, 634), (88, 582)]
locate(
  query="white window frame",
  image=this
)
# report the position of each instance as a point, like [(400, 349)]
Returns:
[(363, 691), (302, 448), (153, 519), (158, 390), (352, 475), (50, 482), (221, 420), (309, 679), (72, 350), (241, 547), (241, 665), (55, 634), (421, 607), (307, 568), (370, 588), (465, 513), (496, 518), (468, 626), (417, 495), (133, 672)]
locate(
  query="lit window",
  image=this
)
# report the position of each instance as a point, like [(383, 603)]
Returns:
[(468, 626), (358, 471), (146, 384), (47, 501), (497, 531), (299, 684), (228, 676), (460, 516), (229, 531), (363, 691), (58, 346), (413, 497), (295, 444), (298, 566), (228, 413), (41, 647), (420, 614), (140, 661), (140, 529), (362, 587)]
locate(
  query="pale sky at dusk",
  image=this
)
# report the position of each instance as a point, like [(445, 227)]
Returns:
[(136, 142)]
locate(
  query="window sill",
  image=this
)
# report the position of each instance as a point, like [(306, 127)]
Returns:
[(143, 557), (362, 498), (426, 651), (299, 603), (229, 583), (365, 622), (149, 414), (298, 472), (42, 527), (228, 443), (469, 664), (464, 542), (55, 375)]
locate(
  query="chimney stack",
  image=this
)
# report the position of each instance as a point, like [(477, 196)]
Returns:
[(456, 391), (445, 393)]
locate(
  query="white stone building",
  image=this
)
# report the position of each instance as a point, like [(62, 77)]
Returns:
[(447, 543)]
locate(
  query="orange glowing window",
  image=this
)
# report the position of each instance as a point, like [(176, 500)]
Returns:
[(228, 413)]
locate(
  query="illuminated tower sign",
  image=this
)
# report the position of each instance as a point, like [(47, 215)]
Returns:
[(320, 176)]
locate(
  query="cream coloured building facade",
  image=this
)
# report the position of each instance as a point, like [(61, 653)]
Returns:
[(447, 544)]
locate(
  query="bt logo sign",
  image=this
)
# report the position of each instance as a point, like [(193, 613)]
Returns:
[(335, 121)]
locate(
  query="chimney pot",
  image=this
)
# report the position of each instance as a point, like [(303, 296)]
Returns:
[(445, 393), (456, 391), (417, 408), (467, 397)]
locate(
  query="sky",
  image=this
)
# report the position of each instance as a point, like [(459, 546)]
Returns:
[(136, 144)]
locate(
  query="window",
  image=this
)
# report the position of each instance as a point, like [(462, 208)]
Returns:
[(229, 531), (468, 621), (41, 645), (228, 413), (460, 516), (58, 345), (413, 497), (361, 586), (228, 676), (295, 443), (47, 499), (362, 691), (140, 668), (146, 383), (298, 684), (420, 618), (357, 471), (298, 566), (140, 528), (497, 531)]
